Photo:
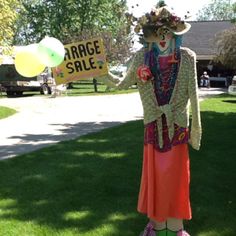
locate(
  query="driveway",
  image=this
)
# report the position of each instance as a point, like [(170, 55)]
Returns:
[(42, 121)]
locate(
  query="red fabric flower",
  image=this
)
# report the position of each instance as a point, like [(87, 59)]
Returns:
[(144, 73)]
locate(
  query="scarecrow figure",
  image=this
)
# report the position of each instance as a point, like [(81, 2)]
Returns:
[(165, 74)]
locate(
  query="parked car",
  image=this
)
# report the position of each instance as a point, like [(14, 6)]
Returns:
[(232, 87), (118, 70), (15, 84)]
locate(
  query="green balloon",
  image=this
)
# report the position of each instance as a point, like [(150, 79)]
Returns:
[(51, 51)]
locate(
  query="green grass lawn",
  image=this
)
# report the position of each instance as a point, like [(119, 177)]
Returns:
[(5, 112), (89, 186), (82, 88)]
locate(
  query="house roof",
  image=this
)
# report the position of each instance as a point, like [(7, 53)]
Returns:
[(202, 33)]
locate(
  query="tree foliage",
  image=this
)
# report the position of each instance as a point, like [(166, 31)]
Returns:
[(217, 10), (225, 43), (8, 15), (73, 20), (226, 48)]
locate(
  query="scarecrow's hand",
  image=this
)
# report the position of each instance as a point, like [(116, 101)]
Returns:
[(110, 80)]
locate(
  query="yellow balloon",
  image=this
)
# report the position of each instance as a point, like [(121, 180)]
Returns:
[(27, 62)]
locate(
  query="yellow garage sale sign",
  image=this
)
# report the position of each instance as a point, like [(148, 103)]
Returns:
[(85, 59)]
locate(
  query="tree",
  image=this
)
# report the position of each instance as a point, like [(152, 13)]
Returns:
[(217, 10), (226, 48), (73, 20), (225, 43), (8, 17)]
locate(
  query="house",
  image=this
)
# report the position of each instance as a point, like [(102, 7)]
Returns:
[(200, 39)]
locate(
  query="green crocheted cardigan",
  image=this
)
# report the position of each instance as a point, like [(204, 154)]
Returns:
[(176, 111)]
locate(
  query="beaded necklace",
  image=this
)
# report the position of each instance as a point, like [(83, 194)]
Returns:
[(163, 89)]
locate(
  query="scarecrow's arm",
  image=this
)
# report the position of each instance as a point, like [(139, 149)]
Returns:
[(196, 130), (129, 78)]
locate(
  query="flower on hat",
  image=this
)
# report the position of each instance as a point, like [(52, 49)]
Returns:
[(159, 17)]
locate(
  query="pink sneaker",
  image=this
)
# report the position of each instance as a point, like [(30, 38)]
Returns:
[(149, 230), (182, 233)]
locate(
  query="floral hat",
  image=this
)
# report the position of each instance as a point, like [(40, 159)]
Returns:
[(159, 17)]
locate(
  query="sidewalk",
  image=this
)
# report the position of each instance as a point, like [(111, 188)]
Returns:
[(209, 92), (43, 121)]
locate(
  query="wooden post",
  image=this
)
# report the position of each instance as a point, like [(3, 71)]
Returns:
[(95, 85)]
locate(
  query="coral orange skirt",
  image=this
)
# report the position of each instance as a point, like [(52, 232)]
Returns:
[(164, 189)]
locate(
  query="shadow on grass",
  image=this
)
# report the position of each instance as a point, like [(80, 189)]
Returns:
[(213, 177), (83, 183), (93, 182), (230, 101)]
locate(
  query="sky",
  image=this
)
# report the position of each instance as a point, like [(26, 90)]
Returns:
[(180, 6)]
